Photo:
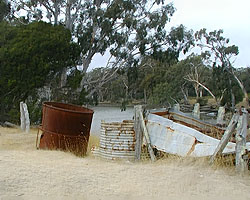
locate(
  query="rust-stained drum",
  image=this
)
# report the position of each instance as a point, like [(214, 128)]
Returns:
[(65, 127)]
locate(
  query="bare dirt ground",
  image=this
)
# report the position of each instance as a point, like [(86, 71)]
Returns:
[(27, 173)]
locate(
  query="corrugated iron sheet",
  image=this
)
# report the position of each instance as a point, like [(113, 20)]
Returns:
[(117, 140)]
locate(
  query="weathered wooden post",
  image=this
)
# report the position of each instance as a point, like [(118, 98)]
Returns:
[(24, 117), (196, 111), (241, 163), (138, 132), (145, 133), (226, 137), (177, 107), (220, 116)]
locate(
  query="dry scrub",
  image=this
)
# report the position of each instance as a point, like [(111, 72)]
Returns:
[(27, 173)]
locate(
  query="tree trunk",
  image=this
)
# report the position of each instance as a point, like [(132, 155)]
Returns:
[(56, 13), (246, 99), (63, 80), (145, 95), (196, 88), (185, 95), (68, 20)]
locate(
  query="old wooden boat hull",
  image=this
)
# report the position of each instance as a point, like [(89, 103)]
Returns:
[(175, 138)]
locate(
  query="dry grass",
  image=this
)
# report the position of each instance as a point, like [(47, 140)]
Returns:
[(93, 142), (28, 173), (15, 139)]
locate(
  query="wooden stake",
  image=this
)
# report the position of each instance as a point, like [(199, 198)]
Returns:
[(146, 135), (226, 137)]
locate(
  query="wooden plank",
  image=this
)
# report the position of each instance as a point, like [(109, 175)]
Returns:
[(9, 124), (138, 132), (146, 135), (241, 163), (226, 137)]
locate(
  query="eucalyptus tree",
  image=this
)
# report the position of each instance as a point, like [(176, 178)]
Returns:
[(127, 29), (218, 51)]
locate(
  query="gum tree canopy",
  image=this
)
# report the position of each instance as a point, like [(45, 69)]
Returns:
[(29, 55), (217, 49), (128, 29)]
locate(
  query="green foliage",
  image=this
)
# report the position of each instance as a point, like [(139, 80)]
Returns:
[(29, 56), (4, 9), (74, 79), (218, 49)]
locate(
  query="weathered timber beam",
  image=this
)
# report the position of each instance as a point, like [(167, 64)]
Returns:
[(226, 137)]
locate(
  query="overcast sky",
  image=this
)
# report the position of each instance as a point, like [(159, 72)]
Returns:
[(230, 15)]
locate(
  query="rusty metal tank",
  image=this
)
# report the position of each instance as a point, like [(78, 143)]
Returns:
[(65, 127)]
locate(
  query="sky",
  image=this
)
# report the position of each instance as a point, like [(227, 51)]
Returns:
[(230, 15)]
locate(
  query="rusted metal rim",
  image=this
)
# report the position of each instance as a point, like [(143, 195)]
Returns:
[(68, 107)]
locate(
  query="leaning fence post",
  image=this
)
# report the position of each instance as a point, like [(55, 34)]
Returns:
[(241, 163), (226, 137), (138, 132), (146, 135)]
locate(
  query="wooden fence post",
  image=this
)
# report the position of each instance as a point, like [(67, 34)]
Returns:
[(196, 111), (138, 132), (146, 135), (141, 127), (24, 117), (220, 116), (226, 137), (241, 163)]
